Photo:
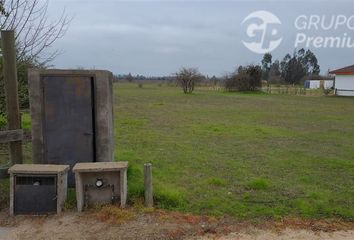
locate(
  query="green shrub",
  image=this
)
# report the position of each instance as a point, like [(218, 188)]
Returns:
[(3, 121), (4, 192), (22, 72), (169, 198), (258, 184), (70, 202), (327, 91), (245, 79), (26, 121), (135, 181), (217, 181)]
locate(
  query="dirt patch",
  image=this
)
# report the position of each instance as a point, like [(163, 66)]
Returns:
[(256, 234), (141, 223)]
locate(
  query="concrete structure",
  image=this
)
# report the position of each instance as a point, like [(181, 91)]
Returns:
[(317, 84), (72, 116), (148, 193), (100, 183), (29, 194), (344, 81)]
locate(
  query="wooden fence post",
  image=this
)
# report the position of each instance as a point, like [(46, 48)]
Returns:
[(149, 197), (10, 80)]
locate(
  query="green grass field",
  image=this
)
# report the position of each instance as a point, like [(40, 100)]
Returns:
[(245, 155)]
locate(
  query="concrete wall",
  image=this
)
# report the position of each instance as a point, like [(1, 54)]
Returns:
[(344, 85), (328, 84), (103, 92), (316, 84), (100, 196)]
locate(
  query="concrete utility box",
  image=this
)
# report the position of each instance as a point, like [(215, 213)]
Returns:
[(100, 183), (37, 188), (72, 116)]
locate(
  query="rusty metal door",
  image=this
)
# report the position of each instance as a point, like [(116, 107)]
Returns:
[(68, 121)]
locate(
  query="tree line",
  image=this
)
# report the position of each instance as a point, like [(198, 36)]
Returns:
[(293, 69), (35, 35)]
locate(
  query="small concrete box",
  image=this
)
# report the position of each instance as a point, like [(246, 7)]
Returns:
[(37, 188), (100, 183)]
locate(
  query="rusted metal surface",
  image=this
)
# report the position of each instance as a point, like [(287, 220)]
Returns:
[(68, 120)]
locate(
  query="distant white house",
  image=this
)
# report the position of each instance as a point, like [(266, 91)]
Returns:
[(316, 84), (344, 81)]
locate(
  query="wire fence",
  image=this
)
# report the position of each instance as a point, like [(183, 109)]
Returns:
[(281, 89)]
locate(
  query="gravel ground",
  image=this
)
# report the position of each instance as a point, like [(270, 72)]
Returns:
[(113, 223)]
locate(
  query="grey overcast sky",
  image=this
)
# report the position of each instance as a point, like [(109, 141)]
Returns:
[(159, 37)]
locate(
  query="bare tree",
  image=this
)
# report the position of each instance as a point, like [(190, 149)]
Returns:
[(129, 77), (34, 32), (187, 78)]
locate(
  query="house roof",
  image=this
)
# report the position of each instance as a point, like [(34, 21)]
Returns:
[(349, 70)]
